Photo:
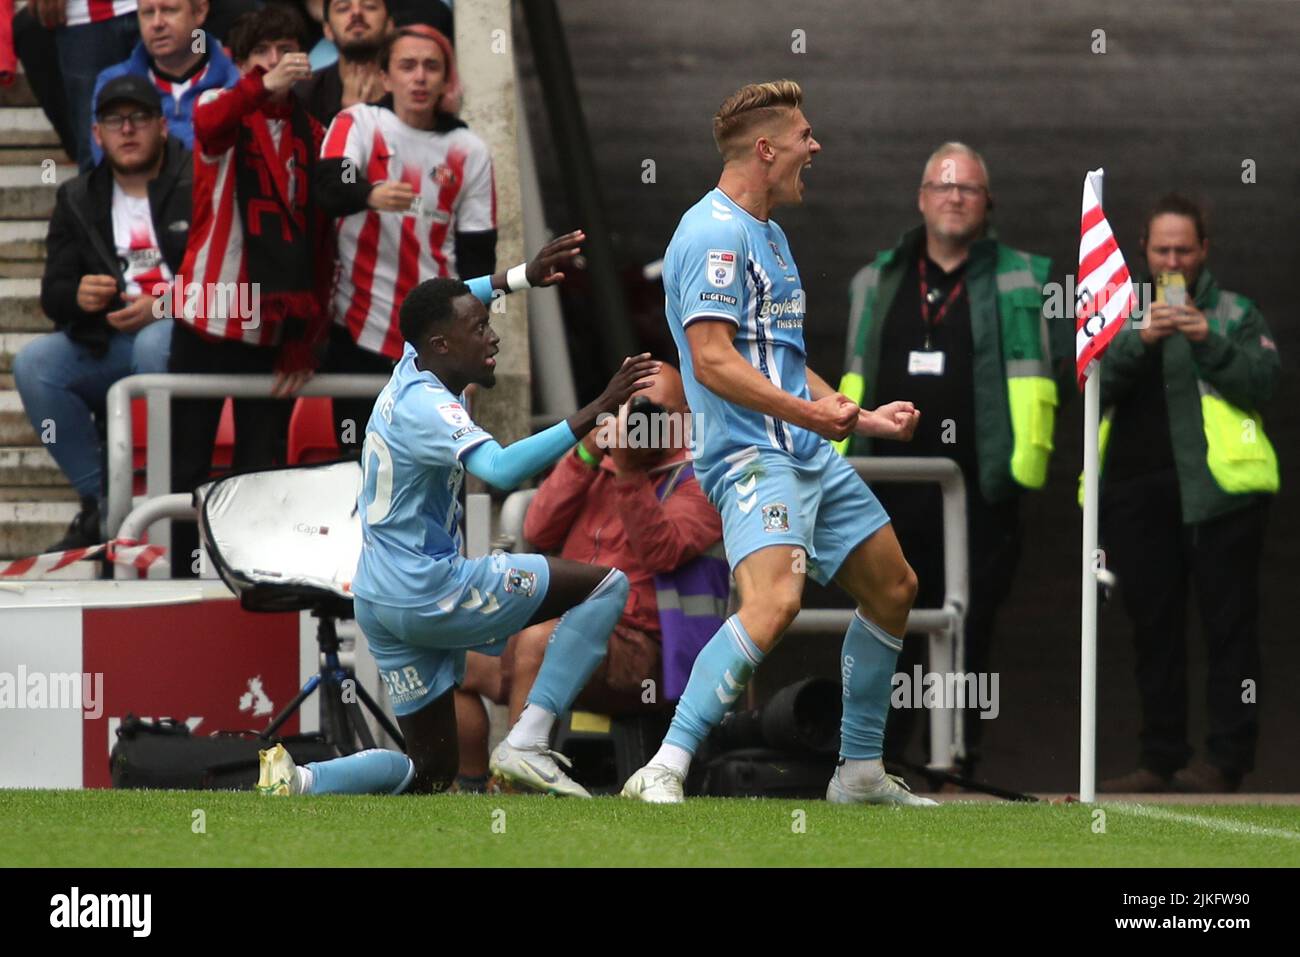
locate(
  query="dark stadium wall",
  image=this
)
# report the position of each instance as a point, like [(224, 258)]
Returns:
[(1194, 96)]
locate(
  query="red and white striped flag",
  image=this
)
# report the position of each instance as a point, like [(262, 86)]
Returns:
[(1105, 290)]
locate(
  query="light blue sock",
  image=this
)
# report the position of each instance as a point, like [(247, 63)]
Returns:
[(578, 644), (867, 665), (375, 771), (717, 679)]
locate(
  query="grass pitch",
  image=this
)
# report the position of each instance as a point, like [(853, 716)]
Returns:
[(228, 829)]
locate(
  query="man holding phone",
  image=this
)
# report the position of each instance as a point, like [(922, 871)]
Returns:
[(1187, 476)]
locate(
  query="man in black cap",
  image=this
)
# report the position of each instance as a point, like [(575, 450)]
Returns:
[(116, 238)]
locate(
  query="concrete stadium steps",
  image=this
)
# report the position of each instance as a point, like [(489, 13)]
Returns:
[(25, 190), (23, 240), (28, 528), (20, 306), (11, 343), (29, 466), (26, 126), (36, 503), (15, 429)]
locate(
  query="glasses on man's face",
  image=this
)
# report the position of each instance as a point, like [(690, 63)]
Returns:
[(115, 121), (964, 190)]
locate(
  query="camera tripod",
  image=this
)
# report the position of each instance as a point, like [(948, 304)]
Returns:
[(341, 696)]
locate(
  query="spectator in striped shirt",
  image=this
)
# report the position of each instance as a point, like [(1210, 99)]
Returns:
[(252, 291), (414, 192), (178, 57)]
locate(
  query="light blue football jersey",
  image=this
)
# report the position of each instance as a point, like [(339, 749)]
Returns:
[(724, 264), (410, 509)]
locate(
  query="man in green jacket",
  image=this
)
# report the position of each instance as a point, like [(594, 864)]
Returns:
[(1187, 475), (952, 320)]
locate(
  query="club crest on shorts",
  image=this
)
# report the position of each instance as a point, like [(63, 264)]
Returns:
[(520, 582), (721, 267), (776, 517)]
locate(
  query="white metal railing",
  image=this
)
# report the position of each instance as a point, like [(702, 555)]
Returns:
[(942, 625), (158, 389)]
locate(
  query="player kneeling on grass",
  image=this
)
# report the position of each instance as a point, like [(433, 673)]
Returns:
[(420, 604)]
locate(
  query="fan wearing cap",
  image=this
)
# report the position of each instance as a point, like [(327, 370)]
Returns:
[(257, 267), (118, 232), (178, 57), (414, 193)]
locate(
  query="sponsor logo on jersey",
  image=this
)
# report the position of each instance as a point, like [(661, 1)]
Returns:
[(721, 267), (776, 517), (786, 307), (717, 297), (467, 430)]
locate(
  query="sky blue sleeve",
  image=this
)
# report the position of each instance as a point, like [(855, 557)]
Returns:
[(436, 427), (505, 468), (481, 287), (708, 268)]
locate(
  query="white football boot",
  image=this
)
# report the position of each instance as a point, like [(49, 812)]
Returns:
[(655, 784), (891, 789), (537, 769), (277, 774)]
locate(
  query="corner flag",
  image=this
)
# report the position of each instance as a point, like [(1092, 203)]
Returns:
[(1105, 296)]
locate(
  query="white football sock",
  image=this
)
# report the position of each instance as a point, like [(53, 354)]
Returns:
[(673, 757), (533, 729), (867, 773), (302, 780)]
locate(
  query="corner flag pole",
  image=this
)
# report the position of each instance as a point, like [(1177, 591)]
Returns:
[(1088, 662)]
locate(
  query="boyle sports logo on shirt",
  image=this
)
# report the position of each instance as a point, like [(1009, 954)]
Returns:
[(721, 269)]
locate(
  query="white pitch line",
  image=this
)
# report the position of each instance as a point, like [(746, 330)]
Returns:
[(1213, 823)]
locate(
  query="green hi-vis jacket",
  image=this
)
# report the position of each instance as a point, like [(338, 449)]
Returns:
[(1212, 388), (1015, 394)]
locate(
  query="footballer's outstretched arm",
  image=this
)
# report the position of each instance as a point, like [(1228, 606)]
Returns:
[(724, 372), (544, 269), (505, 468)]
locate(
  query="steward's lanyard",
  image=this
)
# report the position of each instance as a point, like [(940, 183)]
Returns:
[(925, 301)]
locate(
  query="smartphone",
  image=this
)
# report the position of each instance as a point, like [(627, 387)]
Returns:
[(1171, 288)]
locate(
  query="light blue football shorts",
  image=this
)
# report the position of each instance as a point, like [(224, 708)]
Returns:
[(421, 650), (769, 498)]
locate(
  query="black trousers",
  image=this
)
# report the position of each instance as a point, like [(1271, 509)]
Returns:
[(35, 47), (993, 539), (351, 415), (261, 425), (1156, 558)]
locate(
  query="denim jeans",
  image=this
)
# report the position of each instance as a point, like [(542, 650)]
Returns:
[(63, 386), (84, 51)]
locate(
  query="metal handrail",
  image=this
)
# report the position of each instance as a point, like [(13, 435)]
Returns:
[(159, 390)]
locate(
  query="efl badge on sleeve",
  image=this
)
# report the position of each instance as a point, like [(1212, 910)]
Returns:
[(520, 582), (721, 267), (455, 415), (776, 518)]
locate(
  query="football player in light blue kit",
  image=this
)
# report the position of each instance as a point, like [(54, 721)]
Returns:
[(790, 505), (420, 604)]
